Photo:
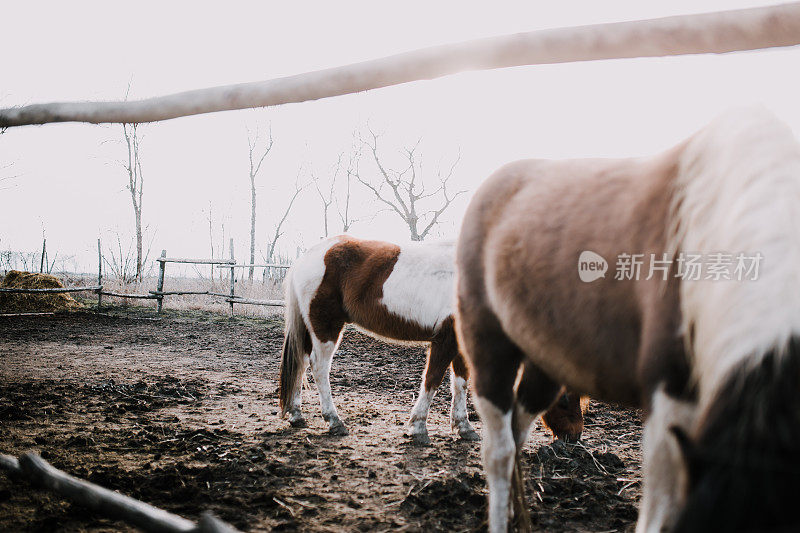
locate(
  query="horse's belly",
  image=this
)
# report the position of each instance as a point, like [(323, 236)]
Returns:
[(602, 374), (583, 336), (379, 322)]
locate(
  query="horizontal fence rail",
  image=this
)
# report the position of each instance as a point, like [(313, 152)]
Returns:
[(241, 300), (128, 295), (195, 261), (57, 290), (263, 265)]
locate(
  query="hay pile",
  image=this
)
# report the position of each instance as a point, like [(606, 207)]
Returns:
[(31, 303)]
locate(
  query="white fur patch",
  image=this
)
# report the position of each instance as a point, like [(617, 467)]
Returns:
[(498, 461), (738, 190), (421, 285), (307, 273), (458, 407), (419, 414)]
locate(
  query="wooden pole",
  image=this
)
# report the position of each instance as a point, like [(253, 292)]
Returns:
[(719, 32), (99, 275), (233, 278), (101, 500), (160, 287), (44, 251)]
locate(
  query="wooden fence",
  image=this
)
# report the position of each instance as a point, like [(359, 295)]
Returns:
[(231, 297)]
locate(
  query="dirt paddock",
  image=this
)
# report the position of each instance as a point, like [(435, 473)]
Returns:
[(181, 412)]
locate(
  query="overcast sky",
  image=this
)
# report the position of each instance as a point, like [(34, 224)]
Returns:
[(70, 183)]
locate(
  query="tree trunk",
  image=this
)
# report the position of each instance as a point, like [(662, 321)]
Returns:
[(252, 226), (139, 243)]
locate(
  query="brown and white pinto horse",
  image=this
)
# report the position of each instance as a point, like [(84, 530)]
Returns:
[(397, 293), (714, 364)]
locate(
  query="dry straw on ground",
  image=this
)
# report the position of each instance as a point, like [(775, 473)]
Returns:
[(30, 303)]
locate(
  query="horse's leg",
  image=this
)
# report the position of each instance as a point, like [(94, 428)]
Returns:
[(668, 403), (321, 357), (437, 362), (665, 475), (535, 394), (296, 400), (443, 351), (565, 417), (458, 408), (495, 361)]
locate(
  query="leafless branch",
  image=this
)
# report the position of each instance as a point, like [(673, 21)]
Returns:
[(278, 232), (344, 210), (328, 197)]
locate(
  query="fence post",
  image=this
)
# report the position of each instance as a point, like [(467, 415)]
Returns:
[(160, 287), (233, 279), (99, 275), (44, 251)]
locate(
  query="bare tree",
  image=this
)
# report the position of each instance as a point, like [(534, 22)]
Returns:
[(278, 227), (135, 186), (6, 178), (211, 239), (256, 159), (405, 192), (343, 200), (332, 193), (328, 196)]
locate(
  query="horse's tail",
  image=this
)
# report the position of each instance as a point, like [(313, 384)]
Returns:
[(295, 341), (737, 192)]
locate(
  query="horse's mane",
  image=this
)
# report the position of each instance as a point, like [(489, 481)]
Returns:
[(737, 191), (745, 462)]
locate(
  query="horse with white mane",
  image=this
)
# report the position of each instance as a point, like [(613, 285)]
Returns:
[(714, 362), (398, 293)]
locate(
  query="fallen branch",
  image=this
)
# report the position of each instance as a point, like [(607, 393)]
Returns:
[(720, 32), (27, 314), (112, 504)]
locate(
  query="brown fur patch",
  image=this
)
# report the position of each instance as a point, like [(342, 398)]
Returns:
[(351, 291), (442, 352)]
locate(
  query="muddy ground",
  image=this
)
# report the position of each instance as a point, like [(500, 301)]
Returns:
[(181, 411)]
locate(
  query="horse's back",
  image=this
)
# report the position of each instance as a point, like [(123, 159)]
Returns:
[(518, 259), (420, 286), (401, 292)]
